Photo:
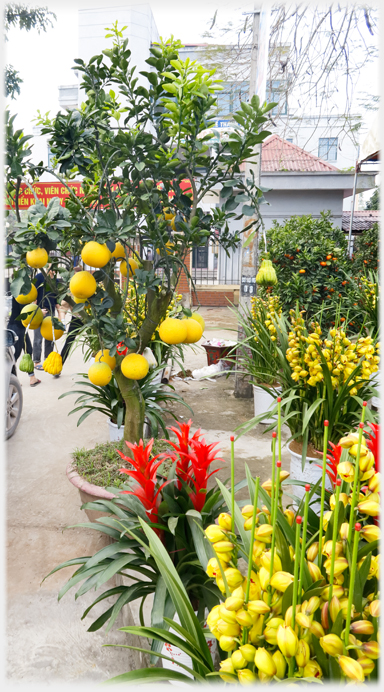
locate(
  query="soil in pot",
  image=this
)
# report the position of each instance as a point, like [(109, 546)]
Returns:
[(297, 447)]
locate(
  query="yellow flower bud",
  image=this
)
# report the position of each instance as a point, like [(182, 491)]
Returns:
[(265, 662), (234, 577), (255, 587), (304, 621), (374, 608), (248, 651), (326, 519), (362, 627), (312, 551), (264, 533), (288, 614), (246, 677), (244, 618), (213, 569), (354, 448), (344, 531), (372, 509), (340, 564), (247, 511), (374, 483), (311, 606), (227, 615), (287, 640), (258, 548), (371, 649), (312, 670), (227, 629), (232, 603), (281, 580), (303, 654), (213, 617), (343, 497), (334, 608), (238, 660), (266, 561), (225, 521), (346, 471), (317, 629), (367, 665), (351, 668), (280, 663), (349, 440), (290, 516), (227, 643), (336, 591), (314, 571), (224, 547), (264, 578), (332, 644), (366, 462), (327, 549), (344, 607), (214, 534), (258, 607)]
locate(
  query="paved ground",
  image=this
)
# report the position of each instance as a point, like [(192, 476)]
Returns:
[(47, 641)]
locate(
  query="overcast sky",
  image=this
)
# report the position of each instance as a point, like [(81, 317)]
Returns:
[(44, 61)]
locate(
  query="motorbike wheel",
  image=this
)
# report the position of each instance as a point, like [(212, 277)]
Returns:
[(14, 406)]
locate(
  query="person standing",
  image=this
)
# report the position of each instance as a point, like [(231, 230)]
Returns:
[(23, 342), (47, 301)]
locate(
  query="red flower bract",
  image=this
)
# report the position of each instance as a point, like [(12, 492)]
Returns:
[(145, 476), (181, 450), (200, 459), (333, 461)]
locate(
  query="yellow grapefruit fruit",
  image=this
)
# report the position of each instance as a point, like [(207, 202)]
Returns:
[(82, 285), (119, 251), (95, 255), (37, 258), (173, 331), (194, 331), (28, 298), (134, 366), (33, 316), (100, 374), (79, 300), (47, 330), (196, 316), (104, 357), (133, 265)]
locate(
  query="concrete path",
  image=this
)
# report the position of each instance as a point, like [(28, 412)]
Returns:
[(47, 641)]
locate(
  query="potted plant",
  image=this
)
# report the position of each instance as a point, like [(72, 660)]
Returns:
[(288, 610), (178, 507), (257, 354), (323, 375), (143, 153), (107, 399)]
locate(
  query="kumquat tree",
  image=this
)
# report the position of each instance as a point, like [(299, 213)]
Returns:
[(146, 164)]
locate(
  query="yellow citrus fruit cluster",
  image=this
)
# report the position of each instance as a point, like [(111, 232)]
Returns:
[(53, 364), (258, 634), (265, 312), (369, 289), (37, 258), (47, 330), (341, 354)]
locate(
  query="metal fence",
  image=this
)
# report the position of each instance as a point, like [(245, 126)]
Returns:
[(211, 266)]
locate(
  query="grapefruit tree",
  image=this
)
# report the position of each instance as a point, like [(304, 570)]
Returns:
[(146, 164)]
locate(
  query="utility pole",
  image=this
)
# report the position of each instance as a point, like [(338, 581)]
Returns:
[(243, 389)]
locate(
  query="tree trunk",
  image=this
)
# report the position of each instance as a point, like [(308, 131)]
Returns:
[(134, 407)]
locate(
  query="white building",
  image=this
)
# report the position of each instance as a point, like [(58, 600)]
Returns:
[(141, 32)]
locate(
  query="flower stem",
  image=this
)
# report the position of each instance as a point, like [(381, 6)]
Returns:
[(352, 583), (279, 424), (334, 539), (302, 554), (256, 496), (296, 571), (274, 502), (325, 445), (233, 483), (356, 478)]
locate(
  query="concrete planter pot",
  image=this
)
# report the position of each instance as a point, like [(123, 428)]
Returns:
[(311, 474), (88, 492), (263, 401), (115, 433)]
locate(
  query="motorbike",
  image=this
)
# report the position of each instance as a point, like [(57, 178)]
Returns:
[(13, 391)]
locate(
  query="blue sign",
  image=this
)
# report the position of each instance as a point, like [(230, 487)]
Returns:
[(224, 123)]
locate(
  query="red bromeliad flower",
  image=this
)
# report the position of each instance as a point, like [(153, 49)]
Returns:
[(200, 458), (145, 477), (182, 449), (333, 461), (374, 444)]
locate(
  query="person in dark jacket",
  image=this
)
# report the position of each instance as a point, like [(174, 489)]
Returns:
[(23, 342), (47, 301)]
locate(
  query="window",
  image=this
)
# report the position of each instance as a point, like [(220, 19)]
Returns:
[(51, 159), (228, 100), (328, 148), (275, 93)]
